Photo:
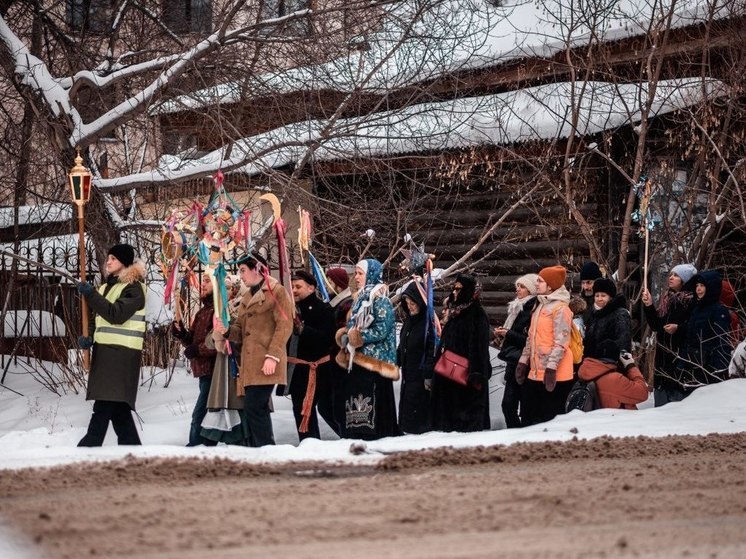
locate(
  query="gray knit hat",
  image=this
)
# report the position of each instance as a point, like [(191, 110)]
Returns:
[(684, 271)]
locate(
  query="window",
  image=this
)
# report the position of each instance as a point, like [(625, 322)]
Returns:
[(93, 16), (271, 9), (188, 16)]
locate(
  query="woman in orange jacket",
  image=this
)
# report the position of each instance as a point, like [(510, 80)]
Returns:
[(546, 363)]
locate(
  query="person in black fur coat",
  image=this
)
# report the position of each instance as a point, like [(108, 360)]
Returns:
[(610, 320), (513, 336), (415, 357), (466, 332)]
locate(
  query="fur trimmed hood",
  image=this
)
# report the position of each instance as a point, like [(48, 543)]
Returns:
[(134, 273)]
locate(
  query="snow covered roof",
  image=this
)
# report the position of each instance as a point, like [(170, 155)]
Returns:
[(41, 213), (537, 113), (449, 36)]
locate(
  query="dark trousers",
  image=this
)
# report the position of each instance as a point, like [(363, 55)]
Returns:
[(538, 405), (120, 415), (198, 415), (256, 408), (323, 400), (511, 397)]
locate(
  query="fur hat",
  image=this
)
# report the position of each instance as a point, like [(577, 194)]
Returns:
[(302, 275), (684, 271), (340, 277), (529, 282), (124, 253), (590, 271), (604, 285), (578, 305), (554, 276)]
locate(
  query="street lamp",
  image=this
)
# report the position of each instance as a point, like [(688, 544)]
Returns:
[(80, 179)]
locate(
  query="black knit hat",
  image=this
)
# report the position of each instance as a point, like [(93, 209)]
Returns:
[(302, 275), (251, 259), (124, 253), (604, 285), (590, 271)]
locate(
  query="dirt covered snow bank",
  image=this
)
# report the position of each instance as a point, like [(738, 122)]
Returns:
[(656, 497)]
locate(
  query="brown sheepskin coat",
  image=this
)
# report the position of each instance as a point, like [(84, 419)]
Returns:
[(263, 327)]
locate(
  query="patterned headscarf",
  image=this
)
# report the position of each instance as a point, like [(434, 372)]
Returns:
[(373, 288)]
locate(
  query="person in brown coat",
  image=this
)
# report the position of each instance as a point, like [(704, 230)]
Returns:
[(263, 326), (618, 387)]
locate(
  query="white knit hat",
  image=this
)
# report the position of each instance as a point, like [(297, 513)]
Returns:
[(529, 282)]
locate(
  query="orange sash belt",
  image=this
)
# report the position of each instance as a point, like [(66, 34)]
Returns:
[(311, 390)]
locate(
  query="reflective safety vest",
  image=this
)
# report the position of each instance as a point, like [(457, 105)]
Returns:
[(131, 333)]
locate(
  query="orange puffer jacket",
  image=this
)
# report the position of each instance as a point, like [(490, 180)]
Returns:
[(549, 337), (615, 389)]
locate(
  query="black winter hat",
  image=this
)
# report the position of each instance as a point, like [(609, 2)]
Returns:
[(124, 253), (604, 285), (251, 259), (302, 275), (590, 271)]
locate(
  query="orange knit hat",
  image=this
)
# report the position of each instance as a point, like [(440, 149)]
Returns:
[(554, 276)]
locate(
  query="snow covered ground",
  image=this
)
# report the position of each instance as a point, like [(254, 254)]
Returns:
[(39, 428)]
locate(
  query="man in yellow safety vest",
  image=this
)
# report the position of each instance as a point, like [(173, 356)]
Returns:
[(117, 344)]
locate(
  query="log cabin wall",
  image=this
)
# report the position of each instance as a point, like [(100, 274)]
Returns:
[(449, 201)]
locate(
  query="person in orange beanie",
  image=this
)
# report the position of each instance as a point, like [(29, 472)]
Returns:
[(546, 363)]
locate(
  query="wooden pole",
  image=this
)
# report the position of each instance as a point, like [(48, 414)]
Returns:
[(84, 302)]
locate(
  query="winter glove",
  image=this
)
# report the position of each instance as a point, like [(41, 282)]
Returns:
[(428, 384), (191, 351), (475, 380), (356, 339), (178, 330), (521, 372), (550, 379), (85, 342), (626, 359), (84, 288)]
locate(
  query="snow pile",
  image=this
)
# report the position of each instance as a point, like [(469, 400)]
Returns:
[(41, 429), (32, 324)]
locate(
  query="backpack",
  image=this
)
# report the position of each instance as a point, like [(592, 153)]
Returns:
[(583, 396), (576, 344)]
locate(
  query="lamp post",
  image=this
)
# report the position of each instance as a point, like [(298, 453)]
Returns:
[(79, 179)]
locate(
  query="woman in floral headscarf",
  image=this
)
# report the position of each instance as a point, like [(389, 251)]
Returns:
[(368, 353), (466, 332)]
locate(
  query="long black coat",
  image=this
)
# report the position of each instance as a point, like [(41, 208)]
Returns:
[(678, 309), (705, 355), (464, 408), (610, 323), (315, 341), (115, 370), (415, 357)]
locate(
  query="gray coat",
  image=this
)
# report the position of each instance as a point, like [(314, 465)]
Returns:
[(115, 370)]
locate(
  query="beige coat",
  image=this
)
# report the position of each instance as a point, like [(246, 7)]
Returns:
[(263, 327)]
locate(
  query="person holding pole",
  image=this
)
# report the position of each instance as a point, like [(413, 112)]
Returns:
[(117, 342)]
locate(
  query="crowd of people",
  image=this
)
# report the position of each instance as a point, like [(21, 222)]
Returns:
[(340, 359)]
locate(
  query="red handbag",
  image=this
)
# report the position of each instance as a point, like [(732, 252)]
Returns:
[(453, 367)]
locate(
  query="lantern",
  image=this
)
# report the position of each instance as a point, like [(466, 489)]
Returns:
[(80, 182)]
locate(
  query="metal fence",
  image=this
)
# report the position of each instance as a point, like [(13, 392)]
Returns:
[(42, 307)]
